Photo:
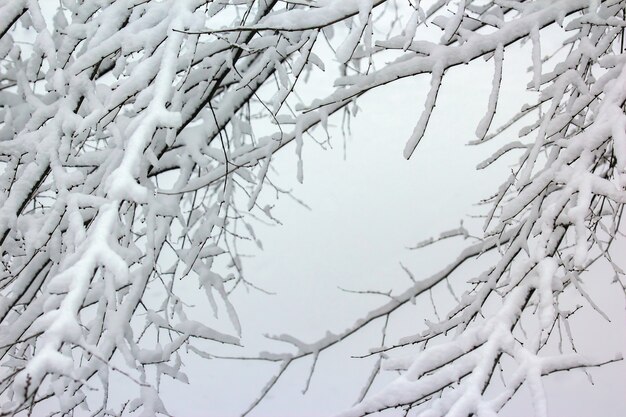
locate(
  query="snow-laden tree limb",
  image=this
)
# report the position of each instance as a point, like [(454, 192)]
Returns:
[(131, 131)]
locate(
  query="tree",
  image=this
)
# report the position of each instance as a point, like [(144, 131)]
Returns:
[(131, 139)]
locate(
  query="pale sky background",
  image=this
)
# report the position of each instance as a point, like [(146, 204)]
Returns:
[(365, 211)]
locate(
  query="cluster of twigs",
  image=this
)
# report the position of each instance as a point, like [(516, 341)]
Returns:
[(129, 134)]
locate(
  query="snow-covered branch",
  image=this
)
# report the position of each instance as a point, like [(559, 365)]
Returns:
[(136, 140)]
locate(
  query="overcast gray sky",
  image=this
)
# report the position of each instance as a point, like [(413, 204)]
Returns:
[(365, 211)]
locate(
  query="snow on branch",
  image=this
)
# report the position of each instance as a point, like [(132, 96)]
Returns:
[(136, 140), (555, 215)]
